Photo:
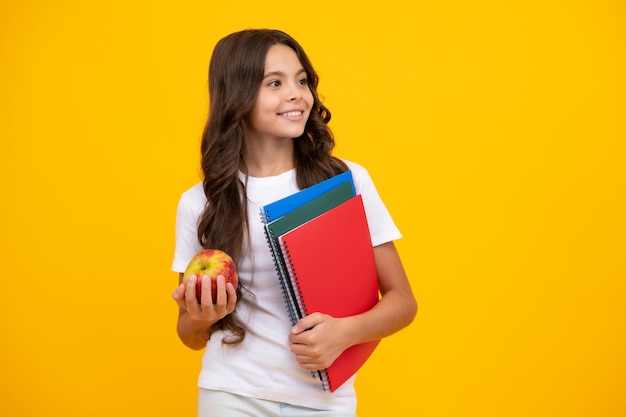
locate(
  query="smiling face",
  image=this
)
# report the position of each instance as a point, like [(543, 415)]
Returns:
[(284, 101)]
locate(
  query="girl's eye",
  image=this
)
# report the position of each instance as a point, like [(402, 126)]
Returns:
[(273, 84), (303, 81)]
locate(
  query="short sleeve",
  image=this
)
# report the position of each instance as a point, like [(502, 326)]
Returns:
[(382, 227), (189, 210)]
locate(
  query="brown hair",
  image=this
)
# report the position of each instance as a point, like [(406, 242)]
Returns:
[(235, 74)]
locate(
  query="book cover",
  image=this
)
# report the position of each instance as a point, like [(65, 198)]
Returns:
[(330, 260), (283, 206)]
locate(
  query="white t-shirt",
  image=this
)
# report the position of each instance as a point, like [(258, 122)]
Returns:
[(262, 366)]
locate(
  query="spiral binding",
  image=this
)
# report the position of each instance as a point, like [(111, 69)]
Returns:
[(291, 310), (322, 376), (265, 216), (294, 279)]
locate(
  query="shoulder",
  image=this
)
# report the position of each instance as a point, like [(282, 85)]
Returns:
[(357, 169), (190, 207), (382, 227), (192, 202), (194, 196), (362, 179)]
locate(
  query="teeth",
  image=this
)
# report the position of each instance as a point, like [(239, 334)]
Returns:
[(293, 114)]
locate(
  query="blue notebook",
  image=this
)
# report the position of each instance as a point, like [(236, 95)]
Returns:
[(283, 206)]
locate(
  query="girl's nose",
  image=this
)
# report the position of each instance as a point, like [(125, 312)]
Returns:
[(295, 94)]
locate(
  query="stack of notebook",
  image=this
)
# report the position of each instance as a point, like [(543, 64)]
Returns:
[(320, 241)]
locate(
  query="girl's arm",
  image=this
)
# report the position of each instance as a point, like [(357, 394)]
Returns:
[(328, 337), (196, 319)]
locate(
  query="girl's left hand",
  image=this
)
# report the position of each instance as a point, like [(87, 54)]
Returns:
[(317, 340)]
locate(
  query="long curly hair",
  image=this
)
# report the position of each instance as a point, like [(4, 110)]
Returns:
[(235, 75)]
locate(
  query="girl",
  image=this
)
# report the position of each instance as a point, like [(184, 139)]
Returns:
[(267, 137)]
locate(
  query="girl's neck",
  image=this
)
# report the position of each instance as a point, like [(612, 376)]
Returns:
[(268, 159)]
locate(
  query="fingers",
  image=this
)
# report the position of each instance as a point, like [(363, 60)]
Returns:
[(179, 296), (206, 299), (316, 341), (226, 297), (220, 298), (304, 344), (232, 297), (307, 323), (214, 296), (206, 309), (311, 358)]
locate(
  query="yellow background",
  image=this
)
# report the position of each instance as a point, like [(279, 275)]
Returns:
[(494, 130)]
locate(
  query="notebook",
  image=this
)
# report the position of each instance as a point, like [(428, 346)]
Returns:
[(283, 206), (331, 264), (292, 219)]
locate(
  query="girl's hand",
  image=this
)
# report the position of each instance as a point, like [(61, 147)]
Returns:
[(205, 311), (318, 339)]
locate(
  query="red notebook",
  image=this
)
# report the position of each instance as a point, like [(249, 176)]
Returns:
[(331, 263)]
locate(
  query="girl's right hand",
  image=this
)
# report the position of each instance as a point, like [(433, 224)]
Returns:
[(205, 311)]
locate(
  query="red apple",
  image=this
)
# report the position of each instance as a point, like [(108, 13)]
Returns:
[(211, 262)]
